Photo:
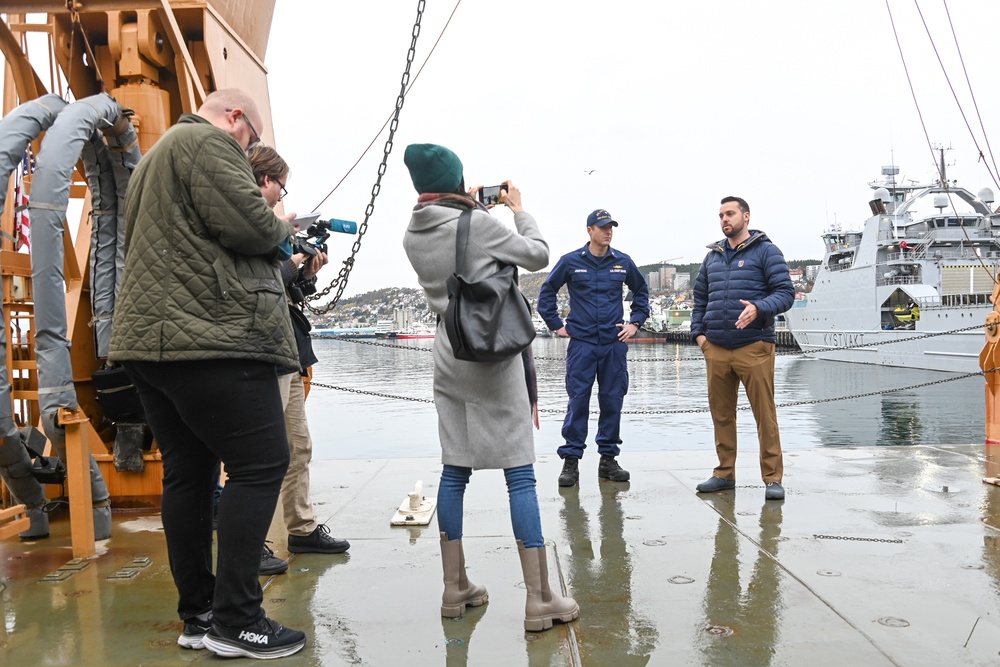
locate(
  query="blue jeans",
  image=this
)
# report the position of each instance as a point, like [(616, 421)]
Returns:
[(524, 514)]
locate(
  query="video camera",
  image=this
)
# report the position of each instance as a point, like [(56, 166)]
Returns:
[(310, 242), (314, 237)]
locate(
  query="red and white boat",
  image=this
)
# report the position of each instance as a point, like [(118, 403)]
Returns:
[(415, 332)]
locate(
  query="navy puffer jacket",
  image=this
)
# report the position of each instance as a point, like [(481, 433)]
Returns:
[(755, 272)]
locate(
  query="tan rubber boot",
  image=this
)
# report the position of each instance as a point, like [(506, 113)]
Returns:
[(543, 606), (459, 592)]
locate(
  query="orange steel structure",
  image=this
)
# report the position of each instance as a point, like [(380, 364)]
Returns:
[(989, 359), (159, 58)]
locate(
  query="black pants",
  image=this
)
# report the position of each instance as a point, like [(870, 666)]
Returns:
[(201, 412)]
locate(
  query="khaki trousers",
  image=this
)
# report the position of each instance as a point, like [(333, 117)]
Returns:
[(753, 365), (295, 505)]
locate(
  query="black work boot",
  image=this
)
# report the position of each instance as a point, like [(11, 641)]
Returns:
[(570, 474), (610, 470)]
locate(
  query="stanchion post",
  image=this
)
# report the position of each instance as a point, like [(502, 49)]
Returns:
[(81, 500)]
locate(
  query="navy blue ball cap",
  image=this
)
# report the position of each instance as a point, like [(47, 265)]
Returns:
[(600, 218)]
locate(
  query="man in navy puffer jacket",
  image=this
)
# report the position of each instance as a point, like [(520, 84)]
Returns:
[(742, 285)]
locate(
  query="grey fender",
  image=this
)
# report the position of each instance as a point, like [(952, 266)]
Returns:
[(109, 168), (15, 470), (77, 127), (18, 129)]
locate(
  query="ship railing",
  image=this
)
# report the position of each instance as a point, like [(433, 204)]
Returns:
[(907, 255), (962, 253), (954, 301), (896, 280)]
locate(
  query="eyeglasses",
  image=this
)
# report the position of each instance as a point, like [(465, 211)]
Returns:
[(284, 192), (256, 141)]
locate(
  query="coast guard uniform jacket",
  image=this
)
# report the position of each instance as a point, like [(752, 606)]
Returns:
[(756, 272), (595, 295)]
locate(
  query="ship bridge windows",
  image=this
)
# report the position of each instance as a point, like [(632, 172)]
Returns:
[(838, 261), (916, 230), (953, 222)]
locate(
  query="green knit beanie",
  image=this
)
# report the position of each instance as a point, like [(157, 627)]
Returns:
[(432, 168)]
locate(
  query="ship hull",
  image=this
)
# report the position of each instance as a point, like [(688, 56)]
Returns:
[(950, 352)]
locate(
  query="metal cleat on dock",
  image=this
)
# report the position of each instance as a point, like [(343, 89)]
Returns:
[(416, 509)]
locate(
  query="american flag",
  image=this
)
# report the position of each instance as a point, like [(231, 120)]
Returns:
[(22, 224)]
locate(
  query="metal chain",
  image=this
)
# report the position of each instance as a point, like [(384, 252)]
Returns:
[(368, 342), (370, 393), (898, 340), (857, 539), (673, 360), (671, 412), (340, 282)]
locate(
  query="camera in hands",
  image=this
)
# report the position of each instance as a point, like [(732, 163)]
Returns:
[(314, 237), (311, 241), (491, 195)]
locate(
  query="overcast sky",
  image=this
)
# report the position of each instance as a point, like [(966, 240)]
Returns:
[(652, 110), (792, 105)]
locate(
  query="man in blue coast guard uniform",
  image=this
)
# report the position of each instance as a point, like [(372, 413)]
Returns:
[(595, 275)]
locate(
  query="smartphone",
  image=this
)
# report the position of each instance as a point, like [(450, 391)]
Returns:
[(492, 194)]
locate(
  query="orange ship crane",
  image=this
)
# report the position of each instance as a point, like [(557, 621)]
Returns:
[(136, 67)]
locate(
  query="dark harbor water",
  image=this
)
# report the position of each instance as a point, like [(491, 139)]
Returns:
[(663, 377)]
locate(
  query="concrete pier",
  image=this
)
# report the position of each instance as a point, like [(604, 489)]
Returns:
[(877, 556)]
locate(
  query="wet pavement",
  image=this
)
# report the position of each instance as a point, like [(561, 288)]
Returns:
[(877, 556)]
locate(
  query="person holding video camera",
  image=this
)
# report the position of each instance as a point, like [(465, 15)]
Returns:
[(484, 410), (305, 533), (595, 276)]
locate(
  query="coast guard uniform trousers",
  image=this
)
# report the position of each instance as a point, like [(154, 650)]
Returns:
[(753, 365), (585, 362)]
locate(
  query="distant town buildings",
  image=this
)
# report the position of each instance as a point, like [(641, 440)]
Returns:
[(402, 319), (667, 275)]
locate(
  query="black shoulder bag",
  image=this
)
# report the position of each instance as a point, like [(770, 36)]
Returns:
[(489, 320)]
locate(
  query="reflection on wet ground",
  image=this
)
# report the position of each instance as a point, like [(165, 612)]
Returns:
[(878, 556)]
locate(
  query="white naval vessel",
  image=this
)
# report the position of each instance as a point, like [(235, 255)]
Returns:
[(913, 287)]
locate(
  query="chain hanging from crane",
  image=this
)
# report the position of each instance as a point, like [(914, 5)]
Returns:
[(340, 282)]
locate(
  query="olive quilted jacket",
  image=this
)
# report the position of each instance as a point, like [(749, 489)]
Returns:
[(200, 280)]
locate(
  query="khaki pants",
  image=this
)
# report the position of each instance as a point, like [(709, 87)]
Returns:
[(753, 365), (298, 512)]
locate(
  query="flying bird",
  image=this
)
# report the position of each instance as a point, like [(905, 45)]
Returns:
[(588, 173)]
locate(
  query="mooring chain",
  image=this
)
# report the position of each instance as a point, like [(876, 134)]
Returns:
[(371, 393), (897, 340), (672, 359), (857, 539), (340, 282), (687, 411), (368, 342)]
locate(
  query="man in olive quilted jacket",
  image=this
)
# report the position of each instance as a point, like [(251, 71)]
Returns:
[(202, 328)]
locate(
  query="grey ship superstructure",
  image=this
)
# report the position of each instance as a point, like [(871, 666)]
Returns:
[(923, 264)]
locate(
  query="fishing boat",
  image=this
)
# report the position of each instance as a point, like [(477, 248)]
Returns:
[(912, 288), (416, 331)]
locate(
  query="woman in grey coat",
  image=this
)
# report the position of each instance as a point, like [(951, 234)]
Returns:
[(484, 413)]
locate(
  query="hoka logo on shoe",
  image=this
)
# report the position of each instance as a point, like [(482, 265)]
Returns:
[(253, 637)]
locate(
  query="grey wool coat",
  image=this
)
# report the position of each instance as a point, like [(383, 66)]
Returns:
[(484, 417)]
